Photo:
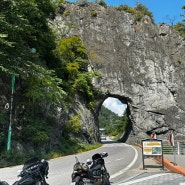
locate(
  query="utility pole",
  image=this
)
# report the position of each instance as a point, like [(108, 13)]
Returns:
[(32, 50), (11, 107)]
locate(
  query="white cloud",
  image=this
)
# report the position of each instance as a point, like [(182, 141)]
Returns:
[(115, 106)]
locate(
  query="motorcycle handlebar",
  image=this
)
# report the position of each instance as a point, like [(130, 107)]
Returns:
[(104, 154)]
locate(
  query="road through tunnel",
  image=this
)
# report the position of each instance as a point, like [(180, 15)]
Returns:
[(114, 116)]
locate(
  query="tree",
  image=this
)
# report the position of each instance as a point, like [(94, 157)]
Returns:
[(115, 125), (24, 26), (180, 26), (24, 23)]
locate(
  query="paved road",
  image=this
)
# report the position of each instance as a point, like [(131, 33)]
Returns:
[(121, 158), (124, 164), (156, 179), (157, 176)]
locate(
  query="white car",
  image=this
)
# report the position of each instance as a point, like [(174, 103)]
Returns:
[(103, 137)]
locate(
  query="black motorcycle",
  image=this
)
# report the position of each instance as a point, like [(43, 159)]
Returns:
[(34, 172), (92, 172), (3, 183)]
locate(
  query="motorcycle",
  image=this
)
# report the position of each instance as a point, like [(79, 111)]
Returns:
[(92, 172), (3, 183), (34, 172)]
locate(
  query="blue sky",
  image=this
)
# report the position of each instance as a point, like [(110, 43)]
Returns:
[(115, 106), (163, 10), (167, 11)]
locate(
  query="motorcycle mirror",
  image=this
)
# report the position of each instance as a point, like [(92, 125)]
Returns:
[(77, 161), (42, 160), (19, 171), (89, 161), (104, 154)]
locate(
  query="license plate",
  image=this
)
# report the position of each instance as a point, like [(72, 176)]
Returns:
[(73, 183)]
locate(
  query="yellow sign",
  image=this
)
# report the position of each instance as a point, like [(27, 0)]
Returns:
[(152, 148)]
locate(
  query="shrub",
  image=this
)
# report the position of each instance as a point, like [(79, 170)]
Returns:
[(139, 11), (180, 27), (125, 8), (94, 13), (102, 3), (36, 131), (73, 125), (11, 158), (82, 2), (4, 121), (66, 13)]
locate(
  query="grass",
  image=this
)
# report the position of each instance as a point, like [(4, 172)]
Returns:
[(70, 147)]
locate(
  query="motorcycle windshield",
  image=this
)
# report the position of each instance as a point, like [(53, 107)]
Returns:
[(30, 162)]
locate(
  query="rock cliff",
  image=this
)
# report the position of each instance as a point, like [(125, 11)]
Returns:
[(141, 64)]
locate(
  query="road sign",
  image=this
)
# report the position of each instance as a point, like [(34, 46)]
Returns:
[(153, 136), (152, 148)]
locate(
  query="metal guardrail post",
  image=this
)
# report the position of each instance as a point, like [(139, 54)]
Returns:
[(178, 148)]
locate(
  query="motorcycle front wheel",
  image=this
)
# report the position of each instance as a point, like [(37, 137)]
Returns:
[(41, 183), (15, 183), (77, 181), (105, 179)]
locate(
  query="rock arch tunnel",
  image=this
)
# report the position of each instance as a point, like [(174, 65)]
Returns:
[(128, 131), (142, 67)]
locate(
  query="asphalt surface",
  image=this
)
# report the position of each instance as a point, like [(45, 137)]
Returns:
[(172, 174), (124, 164), (153, 175), (121, 158)]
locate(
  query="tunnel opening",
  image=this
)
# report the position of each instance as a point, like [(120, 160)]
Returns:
[(114, 119)]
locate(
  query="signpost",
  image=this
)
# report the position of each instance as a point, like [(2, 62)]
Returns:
[(152, 148), (153, 136), (172, 140), (172, 143)]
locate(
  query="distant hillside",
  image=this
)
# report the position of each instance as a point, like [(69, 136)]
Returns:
[(114, 124), (106, 117)]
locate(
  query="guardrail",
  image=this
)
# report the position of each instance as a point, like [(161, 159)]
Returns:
[(179, 147)]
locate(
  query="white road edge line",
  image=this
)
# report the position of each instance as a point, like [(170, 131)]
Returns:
[(129, 166), (142, 179)]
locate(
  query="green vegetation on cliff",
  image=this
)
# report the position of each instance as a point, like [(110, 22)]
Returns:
[(48, 72), (180, 27), (138, 12)]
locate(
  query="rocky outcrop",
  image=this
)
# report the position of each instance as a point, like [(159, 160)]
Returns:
[(140, 63)]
